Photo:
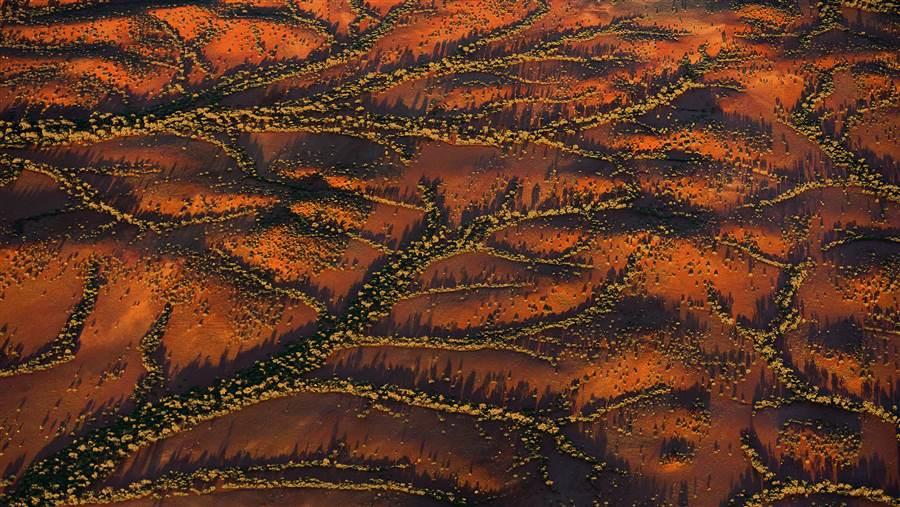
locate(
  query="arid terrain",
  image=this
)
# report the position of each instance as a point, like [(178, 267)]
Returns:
[(427, 252)]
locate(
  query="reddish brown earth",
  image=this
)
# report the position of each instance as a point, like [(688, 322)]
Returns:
[(416, 252)]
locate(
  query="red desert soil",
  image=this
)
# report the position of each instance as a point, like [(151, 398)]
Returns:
[(427, 252)]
